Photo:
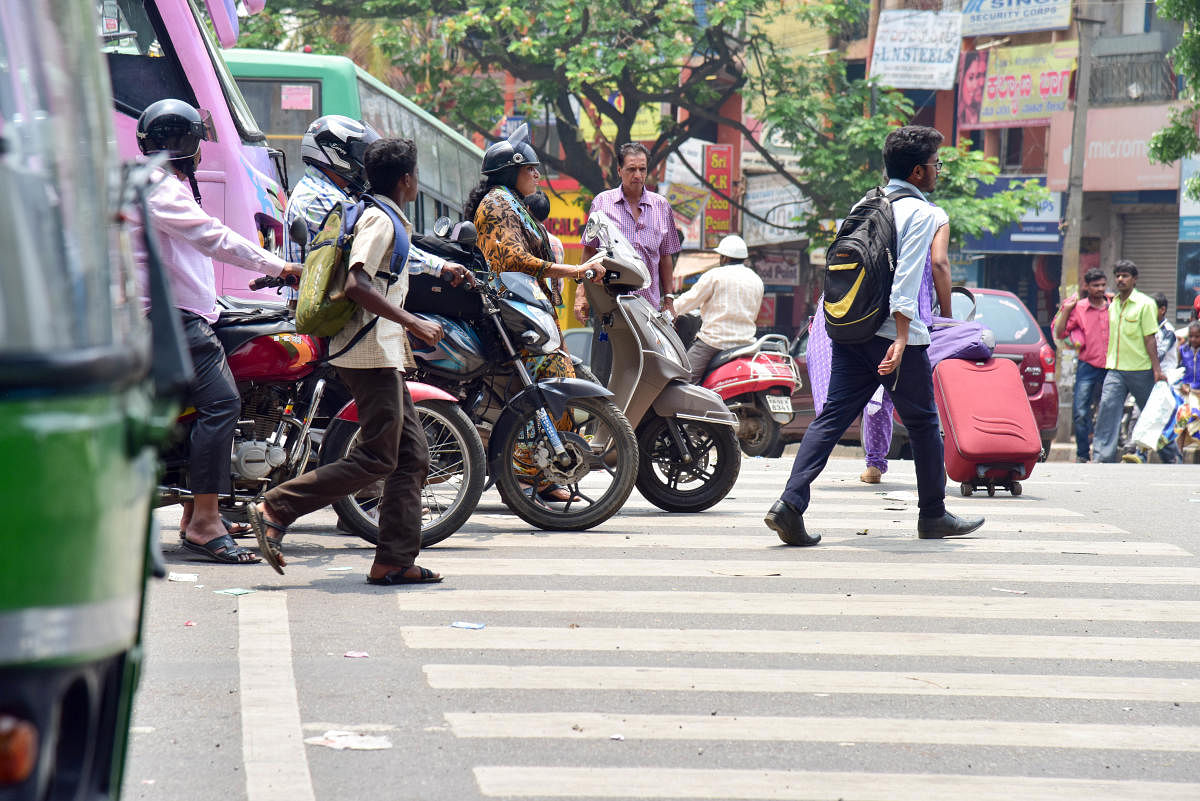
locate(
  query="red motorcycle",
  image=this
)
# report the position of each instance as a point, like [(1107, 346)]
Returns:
[(756, 382), (295, 412)]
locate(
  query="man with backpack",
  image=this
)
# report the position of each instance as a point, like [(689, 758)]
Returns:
[(878, 336), (392, 446)]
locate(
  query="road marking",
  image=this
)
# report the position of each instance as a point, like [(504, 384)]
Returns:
[(803, 604), (272, 739), (741, 504), (1058, 574), (783, 785), (1012, 734), (865, 682), (766, 539), (867, 643), (903, 521)]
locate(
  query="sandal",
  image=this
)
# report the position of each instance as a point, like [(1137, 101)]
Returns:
[(233, 529), (397, 577), (271, 548), (223, 549)]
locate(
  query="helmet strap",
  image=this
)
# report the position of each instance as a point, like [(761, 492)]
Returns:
[(187, 166)]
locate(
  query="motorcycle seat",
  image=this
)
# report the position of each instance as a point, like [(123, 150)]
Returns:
[(730, 354), (235, 329)]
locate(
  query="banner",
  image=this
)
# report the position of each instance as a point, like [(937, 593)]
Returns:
[(1189, 210), (1036, 232), (917, 49), (993, 17), (1014, 87), (778, 200), (718, 214)]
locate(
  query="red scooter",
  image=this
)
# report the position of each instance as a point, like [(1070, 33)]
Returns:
[(756, 381), (283, 384)]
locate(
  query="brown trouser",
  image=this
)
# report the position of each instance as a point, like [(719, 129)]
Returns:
[(391, 447)]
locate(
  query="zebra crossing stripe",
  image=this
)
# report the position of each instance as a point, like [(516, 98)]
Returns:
[(1058, 574), (745, 503), (879, 521), (766, 539), (866, 643), (1014, 734), (756, 680), (807, 604), (783, 785)]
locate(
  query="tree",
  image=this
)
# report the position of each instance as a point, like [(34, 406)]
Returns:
[(1179, 139), (588, 67)]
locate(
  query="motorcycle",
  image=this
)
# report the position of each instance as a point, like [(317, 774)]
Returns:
[(544, 438), (687, 446), (756, 381), (283, 383)]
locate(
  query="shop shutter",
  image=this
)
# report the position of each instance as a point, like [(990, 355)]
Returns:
[(1151, 241)]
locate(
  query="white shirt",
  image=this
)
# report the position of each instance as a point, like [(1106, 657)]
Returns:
[(729, 298), (916, 223), (1168, 347), (188, 240)]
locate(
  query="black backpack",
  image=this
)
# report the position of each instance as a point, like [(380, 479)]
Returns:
[(859, 267)]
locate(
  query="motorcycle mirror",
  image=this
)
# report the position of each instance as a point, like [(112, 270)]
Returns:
[(465, 233), (298, 231), (441, 226)]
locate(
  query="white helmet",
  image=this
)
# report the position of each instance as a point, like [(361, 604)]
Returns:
[(338, 144), (734, 247)]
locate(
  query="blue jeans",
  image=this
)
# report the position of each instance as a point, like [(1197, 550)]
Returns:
[(1088, 380), (853, 380), (1118, 384)]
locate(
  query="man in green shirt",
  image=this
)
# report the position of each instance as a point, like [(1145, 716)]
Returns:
[(1132, 362)]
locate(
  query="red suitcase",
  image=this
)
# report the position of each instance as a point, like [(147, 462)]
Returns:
[(990, 434)]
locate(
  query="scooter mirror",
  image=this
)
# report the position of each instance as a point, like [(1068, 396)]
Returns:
[(441, 226), (298, 231)]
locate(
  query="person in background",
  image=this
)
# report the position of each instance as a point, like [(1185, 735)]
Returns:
[(729, 297), (1084, 326), (645, 219), (1187, 358), (539, 207), (1168, 344), (189, 239)]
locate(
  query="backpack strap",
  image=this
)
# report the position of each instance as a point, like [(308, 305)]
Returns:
[(900, 194), (400, 248)]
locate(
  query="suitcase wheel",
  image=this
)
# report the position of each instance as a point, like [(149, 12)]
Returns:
[(991, 490), (966, 489), (1016, 488)]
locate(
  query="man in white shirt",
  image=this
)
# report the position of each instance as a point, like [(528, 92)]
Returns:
[(895, 357), (729, 297)]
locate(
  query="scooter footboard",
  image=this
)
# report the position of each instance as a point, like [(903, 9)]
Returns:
[(692, 402)]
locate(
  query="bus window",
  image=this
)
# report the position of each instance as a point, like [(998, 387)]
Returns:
[(285, 109), (141, 61)]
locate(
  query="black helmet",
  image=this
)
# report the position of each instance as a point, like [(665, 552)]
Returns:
[(337, 144), (511, 152), (173, 127)]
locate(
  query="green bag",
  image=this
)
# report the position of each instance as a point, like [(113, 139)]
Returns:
[(322, 308)]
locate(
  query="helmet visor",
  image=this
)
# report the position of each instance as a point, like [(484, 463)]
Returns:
[(182, 138)]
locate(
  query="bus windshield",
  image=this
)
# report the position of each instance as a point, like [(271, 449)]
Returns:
[(244, 120)]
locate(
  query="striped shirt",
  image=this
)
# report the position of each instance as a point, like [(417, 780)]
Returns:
[(729, 298), (653, 235)]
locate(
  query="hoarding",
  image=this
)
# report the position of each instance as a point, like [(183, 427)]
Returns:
[(917, 49), (992, 17), (1020, 86)]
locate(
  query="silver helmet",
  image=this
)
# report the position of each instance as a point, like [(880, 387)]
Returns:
[(337, 144)]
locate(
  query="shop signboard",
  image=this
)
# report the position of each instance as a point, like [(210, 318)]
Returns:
[(718, 173), (994, 17), (1014, 87), (776, 199), (917, 49), (1036, 232), (1116, 159), (1189, 210)]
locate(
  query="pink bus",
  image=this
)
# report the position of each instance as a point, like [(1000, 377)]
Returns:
[(164, 48)]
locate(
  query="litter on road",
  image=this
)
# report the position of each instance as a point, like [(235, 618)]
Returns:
[(356, 654), (350, 740), (462, 624), (234, 591), (182, 576)]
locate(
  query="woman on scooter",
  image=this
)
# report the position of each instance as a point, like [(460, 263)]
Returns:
[(513, 241)]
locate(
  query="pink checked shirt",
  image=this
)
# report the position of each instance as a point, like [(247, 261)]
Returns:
[(653, 235)]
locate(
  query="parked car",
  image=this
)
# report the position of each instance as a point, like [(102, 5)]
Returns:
[(1018, 338)]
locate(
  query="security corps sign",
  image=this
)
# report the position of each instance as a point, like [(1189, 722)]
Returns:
[(989, 17)]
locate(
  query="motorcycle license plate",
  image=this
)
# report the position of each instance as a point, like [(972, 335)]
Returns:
[(779, 403)]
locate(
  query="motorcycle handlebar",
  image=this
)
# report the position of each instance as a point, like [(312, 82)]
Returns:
[(268, 281)]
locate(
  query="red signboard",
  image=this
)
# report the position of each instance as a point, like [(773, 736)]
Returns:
[(718, 172)]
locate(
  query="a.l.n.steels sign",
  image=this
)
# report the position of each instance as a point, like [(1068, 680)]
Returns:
[(986, 17)]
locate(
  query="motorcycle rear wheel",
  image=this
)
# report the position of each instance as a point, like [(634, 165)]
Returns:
[(671, 485), (518, 476), (452, 489), (765, 439)]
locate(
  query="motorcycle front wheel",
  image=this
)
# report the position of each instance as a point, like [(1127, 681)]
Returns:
[(451, 491), (668, 482), (594, 485)]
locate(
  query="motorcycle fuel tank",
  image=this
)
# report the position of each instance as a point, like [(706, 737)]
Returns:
[(460, 352), (275, 357)]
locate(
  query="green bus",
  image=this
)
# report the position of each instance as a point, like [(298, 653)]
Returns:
[(82, 382), (287, 91)]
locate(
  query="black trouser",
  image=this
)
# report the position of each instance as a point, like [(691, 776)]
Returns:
[(853, 380), (391, 447), (214, 395)]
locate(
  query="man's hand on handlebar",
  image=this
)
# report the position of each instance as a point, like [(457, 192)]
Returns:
[(456, 274)]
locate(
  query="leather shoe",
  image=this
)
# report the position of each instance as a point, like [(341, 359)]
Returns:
[(948, 525), (785, 521)]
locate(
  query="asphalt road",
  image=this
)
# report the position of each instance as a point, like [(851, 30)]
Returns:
[(1055, 655)]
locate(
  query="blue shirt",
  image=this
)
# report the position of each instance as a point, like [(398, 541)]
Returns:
[(1191, 370), (916, 223)]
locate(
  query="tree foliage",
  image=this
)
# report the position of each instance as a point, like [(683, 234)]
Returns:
[(590, 69), (1178, 139)]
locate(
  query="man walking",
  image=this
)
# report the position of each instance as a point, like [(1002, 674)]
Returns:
[(1132, 360), (1085, 326), (899, 347), (645, 219), (729, 297)]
